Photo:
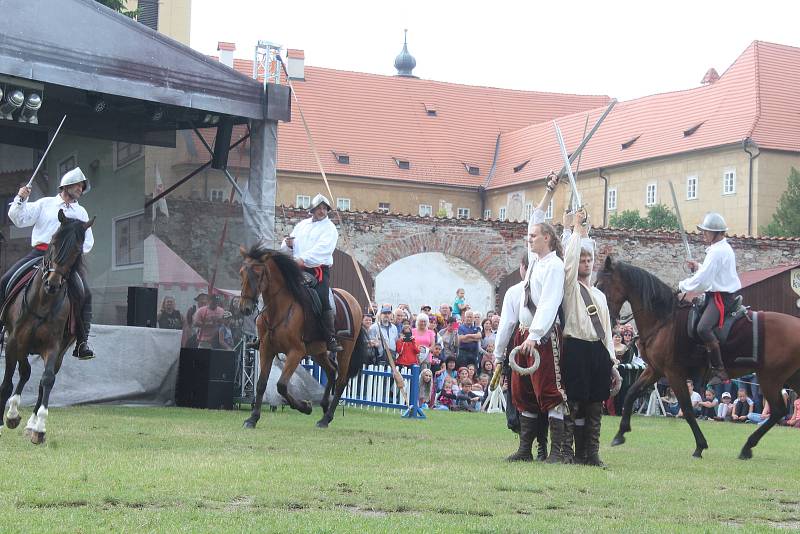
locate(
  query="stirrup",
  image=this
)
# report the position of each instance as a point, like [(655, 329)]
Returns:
[(82, 351), (333, 345), (253, 345)]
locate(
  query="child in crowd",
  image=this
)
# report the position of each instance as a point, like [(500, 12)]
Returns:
[(671, 403), (448, 369), (708, 406), (724, 408), (742, 407), (447, 398), (426, 389), (459, 305)]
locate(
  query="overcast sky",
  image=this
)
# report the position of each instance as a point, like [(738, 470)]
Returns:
[(622, 49)]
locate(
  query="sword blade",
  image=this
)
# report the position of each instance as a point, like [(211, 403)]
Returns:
[(680, 221), (577, 152), (567, 165), (39, 166)]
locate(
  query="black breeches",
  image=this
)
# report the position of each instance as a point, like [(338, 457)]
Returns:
[(323, 286)]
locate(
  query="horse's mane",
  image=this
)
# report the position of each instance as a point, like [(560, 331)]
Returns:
[(655, 296), (291, 272), (70, 236)]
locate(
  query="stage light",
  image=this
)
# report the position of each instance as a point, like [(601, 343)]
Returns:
[(31, 109), (157, 114), (13, 102), (96, 102)]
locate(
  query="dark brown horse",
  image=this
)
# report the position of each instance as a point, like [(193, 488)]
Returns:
[(669, 352), (36, 323), (286, 325)]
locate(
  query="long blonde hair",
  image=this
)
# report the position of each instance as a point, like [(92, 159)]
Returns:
[(555, 242)]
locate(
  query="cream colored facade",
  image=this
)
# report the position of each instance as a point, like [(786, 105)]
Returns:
[(709, 180), (174, 18)]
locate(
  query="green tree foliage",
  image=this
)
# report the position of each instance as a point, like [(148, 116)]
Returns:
[(786, 219), (119, 7), (658, 217), (628, 219)]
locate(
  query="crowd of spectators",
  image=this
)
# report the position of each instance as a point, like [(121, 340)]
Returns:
[(212, 322)]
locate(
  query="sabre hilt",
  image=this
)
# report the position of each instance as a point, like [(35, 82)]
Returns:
[(496, 377)]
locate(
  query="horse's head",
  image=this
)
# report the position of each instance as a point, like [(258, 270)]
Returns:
[(64, 252), (610, 283), (252, 273)]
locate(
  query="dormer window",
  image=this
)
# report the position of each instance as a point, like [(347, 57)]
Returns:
[(403, 164), (342, 158), (472, 169), (430, 110), (521, 166), (693, 129), (629, 143)]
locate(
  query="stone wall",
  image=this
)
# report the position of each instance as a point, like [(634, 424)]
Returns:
[(194, 229)]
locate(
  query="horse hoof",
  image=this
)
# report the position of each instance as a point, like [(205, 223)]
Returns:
[(698, 453), (746, 454), (249, 424), (618, 440), (13, 423), (306, 407), (37, 438), (322, 424)]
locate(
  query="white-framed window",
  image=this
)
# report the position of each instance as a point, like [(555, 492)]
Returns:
[(425, 210), (487, 214), (463, 213), (548, 215), (67, 164), (528, 210), (302, 201), (691, 188), (127, 238), (216, 195), (611, 200), (502, 213), (125, 153), (650, 195), (729, 182), (384, 207), (343, 204)]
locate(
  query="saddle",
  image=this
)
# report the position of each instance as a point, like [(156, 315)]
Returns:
[(343, 323), (741, 337)]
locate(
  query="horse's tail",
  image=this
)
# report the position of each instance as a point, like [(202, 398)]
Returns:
[(360, 354)]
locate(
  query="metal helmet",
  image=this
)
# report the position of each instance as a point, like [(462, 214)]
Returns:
[(319, 199), (75, 176), (713, 222)]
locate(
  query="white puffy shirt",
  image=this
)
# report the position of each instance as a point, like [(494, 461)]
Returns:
[(578, 324), (547, 292), (509, 316), (717, 273), (314, 241), (43, 216)]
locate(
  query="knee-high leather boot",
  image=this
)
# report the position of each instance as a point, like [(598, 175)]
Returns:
[(718, 373), (594, 413), (527, 433), (329, 316), (542, 424)]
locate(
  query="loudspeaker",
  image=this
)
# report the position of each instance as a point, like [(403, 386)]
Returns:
[(219, 159), (142, 306), (205, 378)]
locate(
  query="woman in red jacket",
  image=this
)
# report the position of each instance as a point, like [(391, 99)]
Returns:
[(407, 349)]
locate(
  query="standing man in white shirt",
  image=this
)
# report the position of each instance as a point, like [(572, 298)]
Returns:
[(312, 243), (42, 214), (716, 277), (589, 360)]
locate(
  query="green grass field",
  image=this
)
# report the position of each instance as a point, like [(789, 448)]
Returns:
[(124, 469)]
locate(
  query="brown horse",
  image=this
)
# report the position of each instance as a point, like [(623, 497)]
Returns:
[(670, 353), (287, 325), (36, 323)]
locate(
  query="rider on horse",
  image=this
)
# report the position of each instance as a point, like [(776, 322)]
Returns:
[(717, 277), (43, 216), (312, 243)]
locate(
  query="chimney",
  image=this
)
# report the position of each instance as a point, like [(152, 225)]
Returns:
[(710, 77), (296, 64), (226, 53)]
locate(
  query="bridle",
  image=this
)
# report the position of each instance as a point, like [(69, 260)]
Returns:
[(47, 269)]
